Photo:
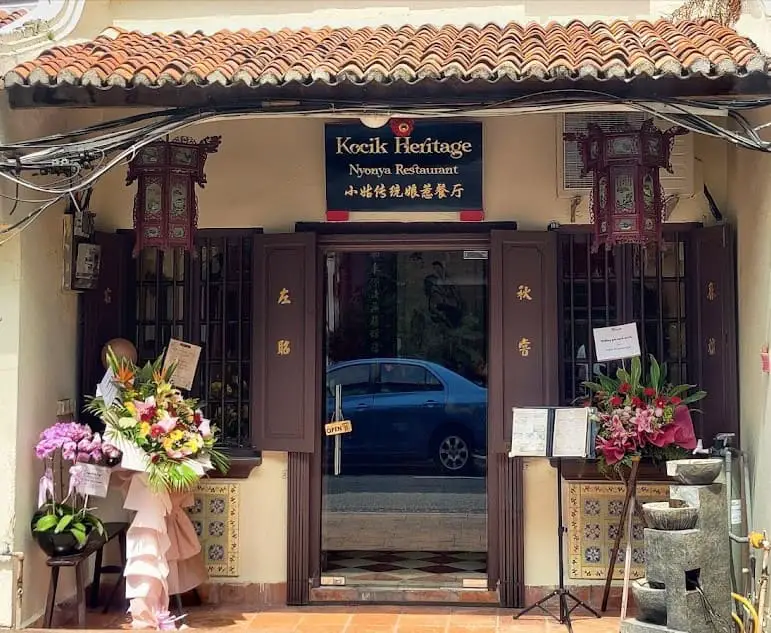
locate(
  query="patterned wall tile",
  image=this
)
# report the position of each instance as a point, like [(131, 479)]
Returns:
[(594, 515), (215, 517)]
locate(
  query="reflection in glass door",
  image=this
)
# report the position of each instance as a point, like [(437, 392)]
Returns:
[(404, 495)]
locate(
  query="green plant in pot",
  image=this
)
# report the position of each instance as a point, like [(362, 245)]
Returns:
[(62, 527)]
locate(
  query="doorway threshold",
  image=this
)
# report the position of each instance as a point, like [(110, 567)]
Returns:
[(379, 594)]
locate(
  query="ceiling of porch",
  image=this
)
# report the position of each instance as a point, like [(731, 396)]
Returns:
[(619, 56)]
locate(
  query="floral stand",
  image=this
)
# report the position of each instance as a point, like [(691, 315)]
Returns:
[(163, 554)]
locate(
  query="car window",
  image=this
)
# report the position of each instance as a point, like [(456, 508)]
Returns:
[(404, 378), (354, 380)]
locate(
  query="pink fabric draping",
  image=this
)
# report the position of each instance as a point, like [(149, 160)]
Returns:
[(187, 569), (147, 546), (163, 554)]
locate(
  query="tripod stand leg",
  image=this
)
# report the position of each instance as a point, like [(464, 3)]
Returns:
[(582, 604), (539, 605)]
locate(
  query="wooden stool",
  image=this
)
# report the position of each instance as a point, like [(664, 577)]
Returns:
[(76, 561), (113, 530)]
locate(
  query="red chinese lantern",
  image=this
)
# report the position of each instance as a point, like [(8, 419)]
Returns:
[(627, 202), (165, 206)]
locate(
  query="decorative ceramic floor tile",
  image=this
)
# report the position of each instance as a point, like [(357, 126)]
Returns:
[(594, 513), (215, 518), (427, 569)]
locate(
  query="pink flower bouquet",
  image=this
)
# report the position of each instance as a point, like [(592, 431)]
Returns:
[(641, 417)]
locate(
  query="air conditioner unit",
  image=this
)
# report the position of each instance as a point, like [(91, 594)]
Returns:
[(570, 183)]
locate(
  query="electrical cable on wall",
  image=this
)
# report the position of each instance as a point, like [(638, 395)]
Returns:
[(80, 157)]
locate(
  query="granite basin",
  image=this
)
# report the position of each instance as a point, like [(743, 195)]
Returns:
[(670, 515), (695, 472), (651, 603)]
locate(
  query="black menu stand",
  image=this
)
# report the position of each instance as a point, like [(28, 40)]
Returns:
[(561, 593)]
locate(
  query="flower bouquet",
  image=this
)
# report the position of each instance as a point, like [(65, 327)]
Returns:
[(63, 526), (158, 430), (641, 416)]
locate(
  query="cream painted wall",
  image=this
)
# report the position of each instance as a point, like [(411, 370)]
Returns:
[(750, 207), (270, 174), (37, 363), (164, 16)]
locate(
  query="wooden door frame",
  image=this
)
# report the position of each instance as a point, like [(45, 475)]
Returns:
[(498, 470)]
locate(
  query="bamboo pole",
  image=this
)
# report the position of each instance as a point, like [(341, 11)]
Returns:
[(631, 487)]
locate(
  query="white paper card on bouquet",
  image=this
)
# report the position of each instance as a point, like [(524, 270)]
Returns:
[(616, 342), (95, 480), (186, 356), (134, 458), (107, 388)]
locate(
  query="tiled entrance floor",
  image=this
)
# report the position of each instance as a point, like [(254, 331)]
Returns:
[(369, 619), (406, 569)]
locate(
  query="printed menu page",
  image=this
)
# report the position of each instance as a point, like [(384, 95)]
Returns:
[(529, 432)]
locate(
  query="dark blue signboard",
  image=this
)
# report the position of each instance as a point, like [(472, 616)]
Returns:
[(430, 167)]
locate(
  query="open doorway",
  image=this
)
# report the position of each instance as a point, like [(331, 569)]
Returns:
[(403, 486)]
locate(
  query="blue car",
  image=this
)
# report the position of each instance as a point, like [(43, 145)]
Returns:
[(409, 411)]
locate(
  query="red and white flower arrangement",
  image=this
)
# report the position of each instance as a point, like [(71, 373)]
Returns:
[(645, 417)]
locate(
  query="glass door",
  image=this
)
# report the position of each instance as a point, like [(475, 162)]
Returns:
[(405, 421)]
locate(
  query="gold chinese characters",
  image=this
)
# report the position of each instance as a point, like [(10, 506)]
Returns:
[(524, 293), (283, 297), (427, 191), (711, 291), (283, 347), (524, 346)]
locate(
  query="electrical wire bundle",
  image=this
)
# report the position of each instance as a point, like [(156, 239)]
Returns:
[(83, 156)]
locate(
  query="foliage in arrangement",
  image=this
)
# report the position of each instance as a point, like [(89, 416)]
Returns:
[(149, 417), (77, 444), (645, 416)]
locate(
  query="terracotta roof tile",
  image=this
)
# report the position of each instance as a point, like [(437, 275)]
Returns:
[(9, 17), (616, 49)]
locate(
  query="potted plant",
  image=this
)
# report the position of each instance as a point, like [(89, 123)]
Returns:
[(63, 527), (641, 416)]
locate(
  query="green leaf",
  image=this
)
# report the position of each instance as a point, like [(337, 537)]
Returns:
[(622, 375), (608, 385), (636, 374), (80, 535), (63, 523), (592, 386), (694, 397), (655, 371), (676, 391), (46, 523)]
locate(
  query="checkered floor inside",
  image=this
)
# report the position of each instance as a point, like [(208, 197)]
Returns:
[(414, 569)]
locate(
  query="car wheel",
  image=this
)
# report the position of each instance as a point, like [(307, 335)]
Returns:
[(452, 452)]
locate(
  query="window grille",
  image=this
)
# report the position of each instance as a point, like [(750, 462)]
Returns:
[(628, 283), (204, 298)]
